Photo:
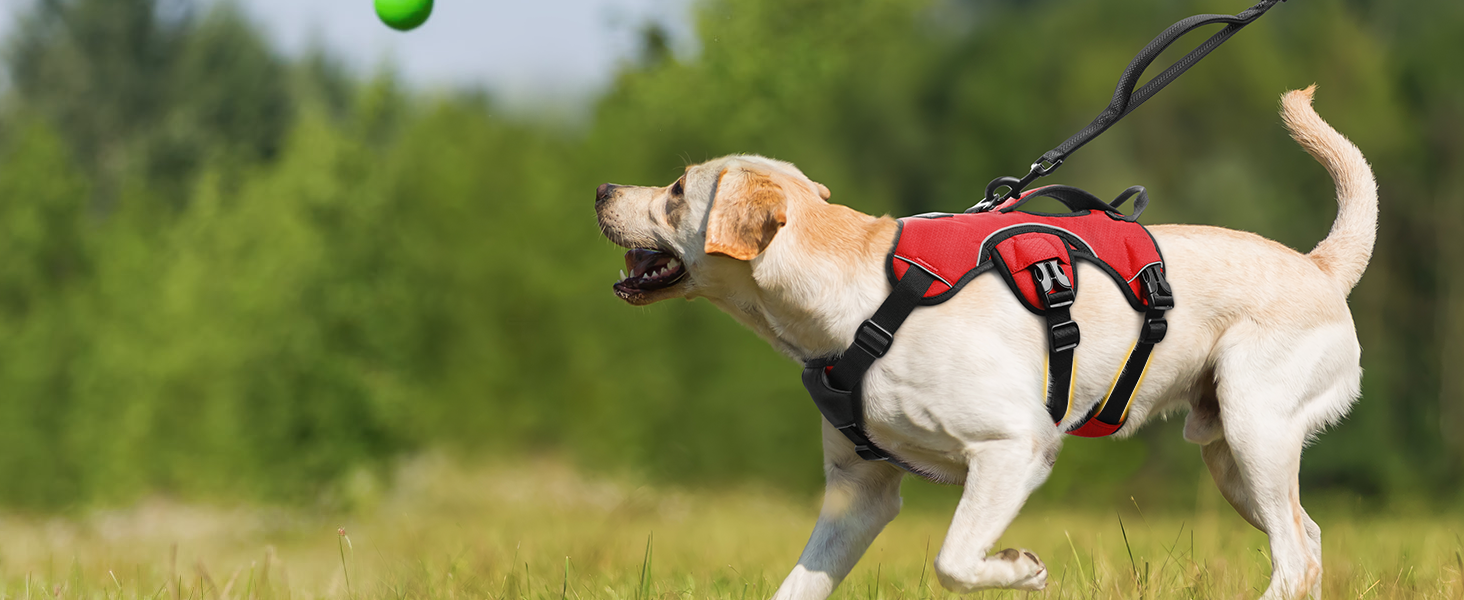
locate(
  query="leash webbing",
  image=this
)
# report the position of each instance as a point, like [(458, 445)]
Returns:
[(1126, 98)]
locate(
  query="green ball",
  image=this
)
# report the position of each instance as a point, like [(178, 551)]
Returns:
[(403, 15)]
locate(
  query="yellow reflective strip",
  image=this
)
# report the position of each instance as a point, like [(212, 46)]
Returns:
[(1046, 378), (1072, 382), (1072, 385)]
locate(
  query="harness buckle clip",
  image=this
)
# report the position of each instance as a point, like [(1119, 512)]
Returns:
[(863, 446), (1063, 336), (873, 339), (1161, 297), (1153, 330), (1057, 289)]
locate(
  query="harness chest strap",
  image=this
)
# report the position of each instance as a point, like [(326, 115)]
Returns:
[(835, 384)]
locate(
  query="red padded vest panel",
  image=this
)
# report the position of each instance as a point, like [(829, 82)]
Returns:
[(957, 247)]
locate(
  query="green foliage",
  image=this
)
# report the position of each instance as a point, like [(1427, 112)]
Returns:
[(148, 88), (42, 223), (226, 275)]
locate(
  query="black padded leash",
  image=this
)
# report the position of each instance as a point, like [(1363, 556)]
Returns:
[(1125, 97)]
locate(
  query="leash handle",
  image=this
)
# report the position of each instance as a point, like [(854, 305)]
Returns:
[(1077, 199), (1125, 97)]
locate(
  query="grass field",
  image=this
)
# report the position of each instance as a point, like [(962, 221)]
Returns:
[(542, 531)]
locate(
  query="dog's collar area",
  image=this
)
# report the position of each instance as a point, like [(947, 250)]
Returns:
[(1035, 255)]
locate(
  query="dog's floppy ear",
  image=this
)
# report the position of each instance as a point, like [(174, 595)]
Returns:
[(747, 210)]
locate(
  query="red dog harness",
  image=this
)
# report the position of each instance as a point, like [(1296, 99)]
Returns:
[(936, 254)]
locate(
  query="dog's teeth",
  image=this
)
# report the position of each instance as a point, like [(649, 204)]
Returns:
[(622, 274), (673, 264)]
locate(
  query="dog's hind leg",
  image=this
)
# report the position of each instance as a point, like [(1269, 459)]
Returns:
[(1266, 460), (1001, 475), (1227, 478), (1314, 543), (860, 498), (1272, 396)]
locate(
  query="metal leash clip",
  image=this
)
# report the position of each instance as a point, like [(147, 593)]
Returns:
[(1014, 186)]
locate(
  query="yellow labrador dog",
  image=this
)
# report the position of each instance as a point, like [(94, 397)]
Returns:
[(1261, 350)]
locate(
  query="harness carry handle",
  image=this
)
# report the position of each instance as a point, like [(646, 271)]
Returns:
[(1125, 97), (1141, 201), (1077, 199)]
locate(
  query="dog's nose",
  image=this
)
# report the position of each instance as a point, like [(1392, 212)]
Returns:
[(603, 192)]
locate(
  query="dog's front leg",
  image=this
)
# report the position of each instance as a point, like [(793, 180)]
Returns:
[(860, 498), (1001, 474)]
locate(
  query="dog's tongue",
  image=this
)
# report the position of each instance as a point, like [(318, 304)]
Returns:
[(641, 260), (639, 257)]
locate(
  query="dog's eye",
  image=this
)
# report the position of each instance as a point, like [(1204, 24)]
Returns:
[(676, 188)]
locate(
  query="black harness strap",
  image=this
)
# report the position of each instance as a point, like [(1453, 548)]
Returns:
[(874, 336), (1125, 98), (1153, 331), (1113, 410), (834, 383), (1062, 335)]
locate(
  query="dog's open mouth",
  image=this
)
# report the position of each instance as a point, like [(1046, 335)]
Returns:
[(648, 271)]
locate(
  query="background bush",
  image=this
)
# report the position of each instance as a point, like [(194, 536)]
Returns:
[(228, 274)]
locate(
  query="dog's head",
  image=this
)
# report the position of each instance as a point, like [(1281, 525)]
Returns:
[(697, 236)]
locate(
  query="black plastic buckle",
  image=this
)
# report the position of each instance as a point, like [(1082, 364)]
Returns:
[(863, 446), (1153, 330), (873, 339), (1063, 336), (1160, 296), (1049, 275)]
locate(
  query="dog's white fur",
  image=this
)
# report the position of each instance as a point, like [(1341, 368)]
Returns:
[(1261, 349)]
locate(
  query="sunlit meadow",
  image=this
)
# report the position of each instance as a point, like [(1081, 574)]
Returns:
[(543, 530)]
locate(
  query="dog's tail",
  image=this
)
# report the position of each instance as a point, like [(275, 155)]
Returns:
[(1345, 252)]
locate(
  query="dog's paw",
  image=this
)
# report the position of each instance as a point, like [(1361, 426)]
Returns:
[(1029, 571), (1009, 569)]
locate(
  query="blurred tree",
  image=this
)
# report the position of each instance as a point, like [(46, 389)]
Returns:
[(1418, 312), (227, 100), (289, 276), (99, 70), (145, 87), (46, 264)]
